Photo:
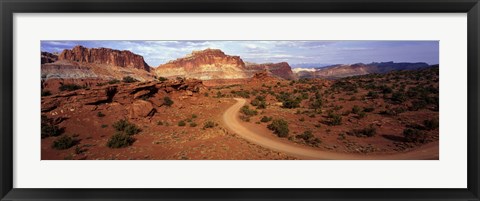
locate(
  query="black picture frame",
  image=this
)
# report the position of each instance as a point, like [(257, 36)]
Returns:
[(9, 7)]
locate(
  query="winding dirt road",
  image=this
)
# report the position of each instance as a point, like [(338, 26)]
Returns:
[(232, 121)]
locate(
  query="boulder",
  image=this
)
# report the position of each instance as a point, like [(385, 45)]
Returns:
[(141, 109)]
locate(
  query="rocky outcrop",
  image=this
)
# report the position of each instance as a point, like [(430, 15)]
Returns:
[(138, 100), (204, 65), (281, 70), (108, 56), (47, 57)]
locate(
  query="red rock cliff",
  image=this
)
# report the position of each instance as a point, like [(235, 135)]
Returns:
[(123, 58), (282, 69), (205, 65)]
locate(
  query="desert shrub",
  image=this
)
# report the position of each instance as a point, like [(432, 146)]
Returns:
[(279, 127), (414, 135), (162, 79), (193, 124), (365, 132), (194, 116), (368, 109), (386, 90), (69, 87), (119, 140), (398, 97), (291, 103), (219, 95), (247, 111), (430, 124), (126, 127), (104, 125), (208, 124), (307, 135), (259, 102), (167, 101), (372, 94), (393, 111), (317, 102), (100, 114), (334, 119), (131, 129), (48, 129), (356, 109), (417, 105), (266, 119), (46, 93), (243, 94), (114, 81), (181, 123), (64, 142), (129, 79), (361, 114)]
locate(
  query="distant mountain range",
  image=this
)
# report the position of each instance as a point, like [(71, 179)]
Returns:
[(347, 70), (310, 65), (210, 64)]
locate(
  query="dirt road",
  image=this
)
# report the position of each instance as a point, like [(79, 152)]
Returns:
[(232, 121)]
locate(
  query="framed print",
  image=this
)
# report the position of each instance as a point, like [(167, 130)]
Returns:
[(264, 100)]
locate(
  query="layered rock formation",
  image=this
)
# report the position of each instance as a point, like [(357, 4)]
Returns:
[(108, 56), (281, 70), (47, 57), (135, 100), (342, 70), (204, 65)]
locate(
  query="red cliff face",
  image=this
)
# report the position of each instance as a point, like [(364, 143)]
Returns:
[(105, 56), (282, 69), (205, 65)]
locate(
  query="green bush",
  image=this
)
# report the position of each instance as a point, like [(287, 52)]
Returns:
[(126, 127), (317, 102), (46, 93), (129, 79), (64, 142), (114, 81), (307, 135), (70, 87), (181, 123), (335, 119), (399, 97), (266, 119), (368, 109), (291, 103), (356, 109), (365, 132), (372, 94), (208, 124), (131, 129), (167, 101), (247, 111), (414, 135), (48, 129), (279, 127), (100, 114), (193, 124), (430, 124), (162, 79), (119, 140)]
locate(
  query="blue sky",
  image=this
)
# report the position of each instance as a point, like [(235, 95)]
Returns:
[(293, 52)]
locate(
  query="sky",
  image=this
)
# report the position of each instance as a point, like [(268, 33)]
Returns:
[(293, 52)]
